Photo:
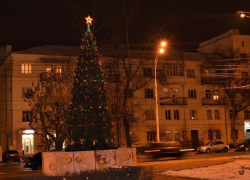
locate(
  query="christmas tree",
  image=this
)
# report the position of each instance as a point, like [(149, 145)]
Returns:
[(89, 123)]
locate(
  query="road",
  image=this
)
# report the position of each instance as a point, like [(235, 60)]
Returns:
[(15, 171)]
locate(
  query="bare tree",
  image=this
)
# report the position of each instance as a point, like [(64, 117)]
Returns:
[(122, 31), (49, 101), (224, 69)]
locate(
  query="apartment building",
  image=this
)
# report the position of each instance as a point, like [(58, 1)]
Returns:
[(232, 44), (190, 110)]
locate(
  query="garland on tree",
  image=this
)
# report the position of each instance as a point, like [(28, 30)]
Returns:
[(89, 124)]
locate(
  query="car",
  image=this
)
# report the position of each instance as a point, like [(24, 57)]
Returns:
[(243, 146), (158, 150), (11, 155), (34, 162), (213, 146)]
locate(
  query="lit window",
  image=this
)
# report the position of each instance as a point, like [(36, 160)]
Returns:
[(166, 92), (193, 114), (26, 68)]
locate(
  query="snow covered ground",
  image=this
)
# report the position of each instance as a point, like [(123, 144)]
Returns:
[(228, 171)]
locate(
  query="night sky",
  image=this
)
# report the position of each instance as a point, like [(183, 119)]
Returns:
[(29, 23)]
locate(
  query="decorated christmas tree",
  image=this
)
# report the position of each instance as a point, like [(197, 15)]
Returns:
[(89, 125)]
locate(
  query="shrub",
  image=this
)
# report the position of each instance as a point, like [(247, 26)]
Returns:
[(124, 173)]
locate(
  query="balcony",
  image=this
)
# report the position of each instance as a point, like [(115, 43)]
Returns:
[(211, 101), (173, 101)]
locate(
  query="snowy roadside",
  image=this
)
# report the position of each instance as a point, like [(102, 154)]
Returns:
[(218, 172)]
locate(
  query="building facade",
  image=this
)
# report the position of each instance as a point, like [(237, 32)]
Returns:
[(191, 111)]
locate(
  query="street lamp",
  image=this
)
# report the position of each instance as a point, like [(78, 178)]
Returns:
[(244, 14), (159, 51)]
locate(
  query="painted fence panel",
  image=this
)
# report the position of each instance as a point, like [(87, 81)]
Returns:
[(84, 160), (64, 162), (49, 163), (105, 158)]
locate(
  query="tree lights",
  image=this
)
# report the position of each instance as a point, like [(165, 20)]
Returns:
[(89, 123)]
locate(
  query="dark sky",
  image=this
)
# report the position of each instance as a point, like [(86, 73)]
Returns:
[(28, 23)]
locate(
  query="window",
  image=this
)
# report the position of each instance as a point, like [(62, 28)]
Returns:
[(168, 114), (176, 114), (210, 135), (208, 94), (193, 114), (244, 75), (26, 116), (151, 136), (209, 114), (243, 55), (177, 135), (215, 95), (192, 93), (190, 73), (175, 70), (214, 134), (236, 133), (147, 72), (242, 43), (217, 134), (166, 92), (150, 115), (149, 93), (247, 114), (25, 90), (26, 68), (216, 114), (169, 136)]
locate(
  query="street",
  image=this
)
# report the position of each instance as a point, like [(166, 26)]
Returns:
[(15, 171)]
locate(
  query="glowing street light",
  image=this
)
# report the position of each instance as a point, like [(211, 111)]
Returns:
[(244, 14), (160, 51)]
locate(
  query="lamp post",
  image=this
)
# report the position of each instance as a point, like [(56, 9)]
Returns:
[(159, 51), (244, 14)]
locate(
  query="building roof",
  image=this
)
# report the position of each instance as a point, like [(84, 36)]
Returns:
[(109, 53)]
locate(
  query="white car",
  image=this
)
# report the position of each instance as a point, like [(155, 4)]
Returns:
[(214, 146)]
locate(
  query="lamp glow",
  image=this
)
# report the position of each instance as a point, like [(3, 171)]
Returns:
[(161, 51), (242, 15), (163, 44)]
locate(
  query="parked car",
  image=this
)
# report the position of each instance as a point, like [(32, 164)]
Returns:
[(243, 146), (214, 146), (11, 155), (159, 150), (34, 162)]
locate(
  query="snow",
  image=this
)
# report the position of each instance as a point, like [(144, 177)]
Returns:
[(228, 171)]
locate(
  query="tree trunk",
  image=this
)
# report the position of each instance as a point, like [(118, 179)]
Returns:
[(59, 143), (127, 131), (233, 131)]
